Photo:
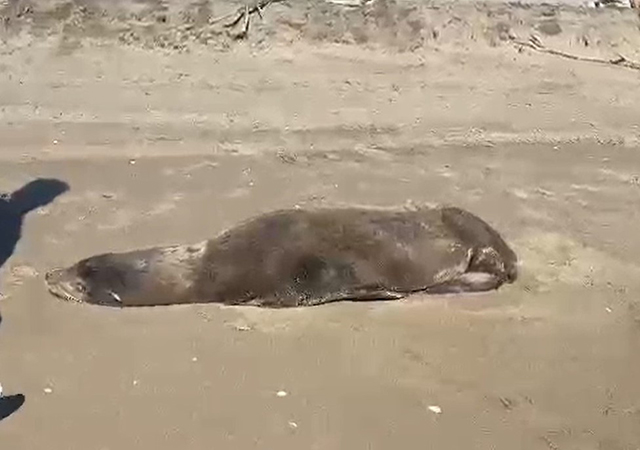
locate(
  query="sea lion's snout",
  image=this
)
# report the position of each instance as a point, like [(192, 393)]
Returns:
[(65, 285), (52, 275)]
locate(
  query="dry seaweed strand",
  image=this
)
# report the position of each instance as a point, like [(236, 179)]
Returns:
[(535, 44), (243, 12)]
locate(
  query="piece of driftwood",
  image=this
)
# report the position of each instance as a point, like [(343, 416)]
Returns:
[(535, 44), (243, 14)]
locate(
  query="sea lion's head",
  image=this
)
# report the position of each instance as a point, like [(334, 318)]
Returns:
[(97, 280)]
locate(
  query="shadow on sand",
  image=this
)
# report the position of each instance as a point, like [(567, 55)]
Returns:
[(15, 206), (10, 403)]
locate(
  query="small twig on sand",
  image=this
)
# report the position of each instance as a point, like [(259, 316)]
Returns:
[(535, 44), (347, 3), (244, 12), (245, 29)]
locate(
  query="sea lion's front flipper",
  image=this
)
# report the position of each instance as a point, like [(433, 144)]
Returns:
[(356, 296), (467, 282), (375, 295)]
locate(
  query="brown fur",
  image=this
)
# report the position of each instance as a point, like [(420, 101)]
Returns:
[(302, 258)]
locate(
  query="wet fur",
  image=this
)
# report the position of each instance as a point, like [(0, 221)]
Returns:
[(302, 258)]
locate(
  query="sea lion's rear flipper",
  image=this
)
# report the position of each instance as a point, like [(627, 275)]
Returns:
[(492, 254), (467, 282)]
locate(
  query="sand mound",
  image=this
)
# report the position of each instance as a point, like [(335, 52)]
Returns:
[(400, 25)]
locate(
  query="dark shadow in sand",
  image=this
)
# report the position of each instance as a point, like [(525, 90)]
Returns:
[(10, 404), (15, 206)]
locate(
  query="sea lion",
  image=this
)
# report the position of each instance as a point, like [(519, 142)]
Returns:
[(299, 257)]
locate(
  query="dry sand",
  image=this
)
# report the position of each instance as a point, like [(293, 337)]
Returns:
[(167, 131)]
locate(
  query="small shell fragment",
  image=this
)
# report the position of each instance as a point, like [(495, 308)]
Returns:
[(48, 390), (281, 394), (435, 409)]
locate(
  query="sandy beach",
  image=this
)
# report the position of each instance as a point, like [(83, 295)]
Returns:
[(166, 129)]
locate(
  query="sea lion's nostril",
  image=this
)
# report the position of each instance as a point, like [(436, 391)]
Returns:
[(52, 275)]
